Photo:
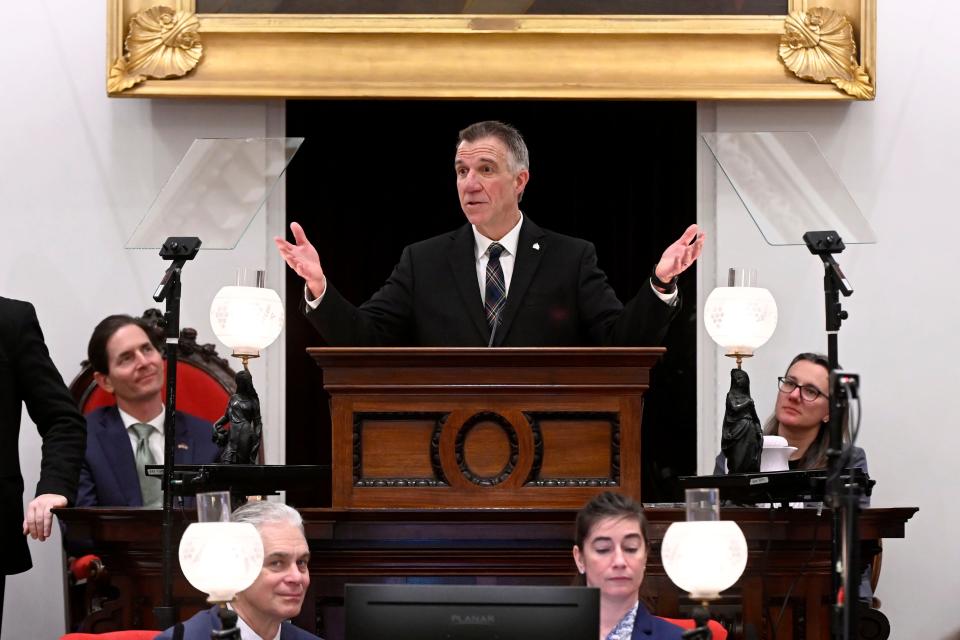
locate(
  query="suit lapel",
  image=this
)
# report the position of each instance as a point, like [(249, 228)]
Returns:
[(117, 449), (529, 253), (642, 623), (463, 265)]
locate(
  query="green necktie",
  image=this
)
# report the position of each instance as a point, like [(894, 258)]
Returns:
[(150, 488)]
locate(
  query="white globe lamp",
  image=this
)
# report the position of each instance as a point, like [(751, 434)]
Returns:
[(740, 317), (247, 317)]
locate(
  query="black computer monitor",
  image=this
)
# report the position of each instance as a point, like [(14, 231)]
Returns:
[(471, 612)]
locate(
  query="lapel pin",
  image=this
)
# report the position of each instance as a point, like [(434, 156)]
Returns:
[(536, 246), (182, 445)]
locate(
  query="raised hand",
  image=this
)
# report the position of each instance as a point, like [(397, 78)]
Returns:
[(303, 258), (681, 254)]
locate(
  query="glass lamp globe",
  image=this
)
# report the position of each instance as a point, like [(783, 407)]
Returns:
[(221, 558), (247, 318), (704, 557), (740, 318)]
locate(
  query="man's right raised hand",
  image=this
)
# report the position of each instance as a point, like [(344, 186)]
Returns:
[(303, 258)]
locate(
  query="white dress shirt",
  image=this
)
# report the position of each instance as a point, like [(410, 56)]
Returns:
[(246, 633)]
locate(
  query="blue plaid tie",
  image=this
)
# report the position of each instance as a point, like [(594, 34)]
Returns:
[(495, 295)]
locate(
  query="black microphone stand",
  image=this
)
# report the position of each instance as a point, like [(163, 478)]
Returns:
[(844, 501), (178, 251)]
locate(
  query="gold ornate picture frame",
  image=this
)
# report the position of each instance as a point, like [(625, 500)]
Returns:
[(821, 50)]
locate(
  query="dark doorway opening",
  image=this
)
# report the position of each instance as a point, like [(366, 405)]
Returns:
[(374, 176)]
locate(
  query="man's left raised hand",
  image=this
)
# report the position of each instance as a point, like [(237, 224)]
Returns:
[(681, 254), (39, 521)]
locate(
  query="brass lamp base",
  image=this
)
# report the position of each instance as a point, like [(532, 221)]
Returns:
[(245, 357), (737, 355)]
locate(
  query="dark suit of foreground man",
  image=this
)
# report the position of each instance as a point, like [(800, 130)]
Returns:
[(265, 607), (28, 376), (127, 363), (555, 293)]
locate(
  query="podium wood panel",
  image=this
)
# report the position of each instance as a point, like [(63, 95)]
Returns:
[(507, 428)]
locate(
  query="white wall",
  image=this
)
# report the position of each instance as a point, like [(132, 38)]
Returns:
[(77, 171), (899, 157)]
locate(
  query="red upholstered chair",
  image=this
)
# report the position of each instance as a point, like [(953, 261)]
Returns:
[(719, 633), (113, 635)]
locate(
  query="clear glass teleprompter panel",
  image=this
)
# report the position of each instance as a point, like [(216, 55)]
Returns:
[(787, 186), (215, 191)]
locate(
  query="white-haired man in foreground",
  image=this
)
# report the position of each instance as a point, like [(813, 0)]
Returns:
[(265, 607)]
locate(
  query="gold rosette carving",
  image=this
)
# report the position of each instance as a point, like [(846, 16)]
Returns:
[(161, 43), (818, 45)]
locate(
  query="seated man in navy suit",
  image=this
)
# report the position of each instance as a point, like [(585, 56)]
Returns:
[(122, 439)]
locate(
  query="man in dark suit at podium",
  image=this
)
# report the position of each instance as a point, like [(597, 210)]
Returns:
[(28, 376), (123, 439), (500, 280)]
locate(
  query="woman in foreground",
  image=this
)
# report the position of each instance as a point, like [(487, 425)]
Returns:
[(611, 554)]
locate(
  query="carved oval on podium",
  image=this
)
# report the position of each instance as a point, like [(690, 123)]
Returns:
[(486, 449)]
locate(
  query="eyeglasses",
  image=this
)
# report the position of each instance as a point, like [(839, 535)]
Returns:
[(808, 392)]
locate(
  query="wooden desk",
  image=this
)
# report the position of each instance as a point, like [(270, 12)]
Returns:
[(789, 551)]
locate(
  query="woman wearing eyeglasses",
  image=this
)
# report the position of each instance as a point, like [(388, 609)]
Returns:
[(802, 415)]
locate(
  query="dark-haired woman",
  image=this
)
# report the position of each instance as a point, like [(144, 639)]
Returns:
[(611, 553)]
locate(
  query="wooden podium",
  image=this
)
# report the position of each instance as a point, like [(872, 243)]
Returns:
[(462, 428)]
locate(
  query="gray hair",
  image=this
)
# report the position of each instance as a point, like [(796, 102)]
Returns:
[(263, 512), (518, 157)]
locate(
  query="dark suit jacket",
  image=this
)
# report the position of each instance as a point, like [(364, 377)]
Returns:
[(558, 297), (649, 627), (27, 375), (109, 474), (199, 627)]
